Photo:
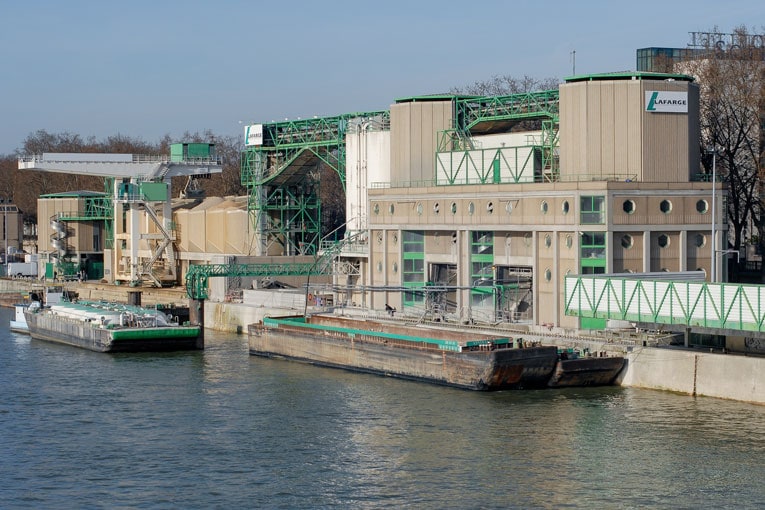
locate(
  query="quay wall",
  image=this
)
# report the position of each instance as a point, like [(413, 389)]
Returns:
[(677, 369)]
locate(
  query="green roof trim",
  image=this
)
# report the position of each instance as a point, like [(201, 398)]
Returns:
[(435, 97), (629, 75), (75, 194)]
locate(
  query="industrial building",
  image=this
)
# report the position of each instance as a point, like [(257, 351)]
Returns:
[(459, 207)]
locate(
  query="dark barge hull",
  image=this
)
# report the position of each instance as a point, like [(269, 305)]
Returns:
[(600, 371), (356, 346), (89, 336)]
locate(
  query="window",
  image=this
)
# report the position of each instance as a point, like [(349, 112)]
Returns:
[(665, 206), (548, 275), (471, 208), (593, 245), (627, 241), (702, 206), (592, 210), (628, 206), (391, 208), (419, 208), (564, 207), (413, 260), (454, 207), (376, 209), (482, 268), (548, 240), (663, 240), (700, 240), (490, 207), (543, 207)]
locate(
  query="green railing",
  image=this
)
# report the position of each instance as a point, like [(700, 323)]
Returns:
[(691, 303)]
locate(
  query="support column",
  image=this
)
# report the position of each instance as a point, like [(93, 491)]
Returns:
[(197, 318), (646, 251)]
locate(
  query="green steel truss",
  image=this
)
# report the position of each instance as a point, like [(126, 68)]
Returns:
[(710, 305), (95, 208), (483, 115), (282, 176), (198, 274)]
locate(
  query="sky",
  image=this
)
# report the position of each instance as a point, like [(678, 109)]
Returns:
[(146, 69)]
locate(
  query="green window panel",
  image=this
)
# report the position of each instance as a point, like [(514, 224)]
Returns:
[(413, 271), (482, 269), (592, 210)]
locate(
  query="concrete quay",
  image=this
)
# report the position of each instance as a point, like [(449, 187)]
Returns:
[(690, 371)]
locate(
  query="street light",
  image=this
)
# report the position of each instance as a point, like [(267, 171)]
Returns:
[(714, 213)]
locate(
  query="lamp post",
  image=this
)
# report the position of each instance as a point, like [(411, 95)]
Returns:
[(714, 214), (5, 233)]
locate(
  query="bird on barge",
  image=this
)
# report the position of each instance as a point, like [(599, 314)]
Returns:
[(110, 327)]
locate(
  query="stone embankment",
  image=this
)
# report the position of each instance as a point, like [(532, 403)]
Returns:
[(684, 370)]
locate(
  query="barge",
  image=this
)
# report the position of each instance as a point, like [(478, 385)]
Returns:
[(109, 327), (472, 361)]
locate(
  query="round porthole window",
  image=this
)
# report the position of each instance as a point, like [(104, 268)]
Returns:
[(564, 207), (436, 207), (665, 206), (628, 206), (663, 240), (543, 207), (376, 209), (419, 208), (569, 241), (702, 206), (395, 267), (548, 240), (627, 241), (700, 240), (527, 239), (471, 208), (453, 207), (490, 207), (391, 208), (548, 275)]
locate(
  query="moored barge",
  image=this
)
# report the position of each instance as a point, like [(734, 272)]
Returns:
[(109, 327), (466, 360)]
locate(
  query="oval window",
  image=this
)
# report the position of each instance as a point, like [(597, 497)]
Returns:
[(665, 206), (702, 206)]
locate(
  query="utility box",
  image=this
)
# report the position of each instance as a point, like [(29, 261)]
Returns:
[(154, 191), (192, 151)]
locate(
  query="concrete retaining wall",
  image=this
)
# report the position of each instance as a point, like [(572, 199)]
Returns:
[(692, 372)]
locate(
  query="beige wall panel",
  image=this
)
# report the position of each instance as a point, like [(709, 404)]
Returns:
[(414, 137), (181, 219), (440, 243), (633, 143), (628, 252), (665, 259), (239, 240), (196, 231), (666, 138), (215, 225), (594, 131)]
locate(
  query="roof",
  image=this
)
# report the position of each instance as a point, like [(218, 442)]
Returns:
[(434, 97), (629, 75), (75, 194)]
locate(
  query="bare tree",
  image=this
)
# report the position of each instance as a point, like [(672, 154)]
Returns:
[(732, 82), (505, 85)]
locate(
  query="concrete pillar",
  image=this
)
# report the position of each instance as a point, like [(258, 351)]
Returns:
[(197, 318), (646, 251)]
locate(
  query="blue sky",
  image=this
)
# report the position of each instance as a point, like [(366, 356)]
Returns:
[(145, 69)]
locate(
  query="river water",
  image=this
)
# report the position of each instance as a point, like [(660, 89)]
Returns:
[(222, 429)]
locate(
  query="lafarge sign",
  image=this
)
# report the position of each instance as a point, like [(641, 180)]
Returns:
[(253, 134), (662, 101)]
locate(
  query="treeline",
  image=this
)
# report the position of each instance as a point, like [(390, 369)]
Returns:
[(23, 187)]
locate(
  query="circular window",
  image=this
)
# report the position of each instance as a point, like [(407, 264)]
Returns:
[(663, 240), (376, 209), (564, 207), (379, 267), (665, 206), (548, 240), (627, 241), (419, 208), (527, 239), (395, 267), (543, 207), (702, 206), (509, 207), (699, 240), (569, 241), (471, 208), (548, 275), (490, 207), (628, 206), (391, 208), (436, 207), (454, 207)]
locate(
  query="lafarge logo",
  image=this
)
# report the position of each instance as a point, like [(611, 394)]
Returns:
[(253, 134), (661, 101)]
